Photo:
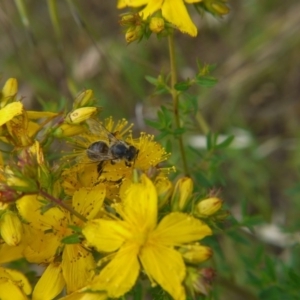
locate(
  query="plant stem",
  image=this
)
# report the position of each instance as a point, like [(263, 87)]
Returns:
[(64, 205), (176, 100)]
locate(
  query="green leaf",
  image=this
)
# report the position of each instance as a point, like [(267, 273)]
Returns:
[(179, 131), (209, 141), (226, 142), (182, 86), (75, 228), (71, 239), (206, 81), (238, 237), (270, 269), (153, 124), (152, 80), (252, 221), (162, 135)]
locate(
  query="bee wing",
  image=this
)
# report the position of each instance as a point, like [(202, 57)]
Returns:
[(97, 129), (98, 157)]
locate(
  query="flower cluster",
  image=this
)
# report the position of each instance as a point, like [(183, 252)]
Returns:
[(100, 214), (159, 16)]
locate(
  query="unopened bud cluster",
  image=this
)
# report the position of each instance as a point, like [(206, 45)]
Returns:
[(137, 28)]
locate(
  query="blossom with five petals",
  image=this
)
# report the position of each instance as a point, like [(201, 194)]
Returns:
[(139, 239)]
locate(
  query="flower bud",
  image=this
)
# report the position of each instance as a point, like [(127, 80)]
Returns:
[(133, 34), (11, 228), (220, 8), (208, 206), (19, 182), (157, 24), (195, 253), (7, 196), (9, 90), (182, 193), (81, 114), (199, 281), (85, 98), (129, 19), (164, 191), (67, 130), (216, 7)]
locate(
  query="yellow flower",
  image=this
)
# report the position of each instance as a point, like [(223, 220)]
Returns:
[(138, 238), (86, 172), (173, 11), (48, 228), (13, 285), (16, 125), (150, 155)]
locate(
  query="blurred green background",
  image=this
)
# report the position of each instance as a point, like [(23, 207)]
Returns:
[(256, 52)]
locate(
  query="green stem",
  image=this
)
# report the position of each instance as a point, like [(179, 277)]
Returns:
[(202, 123), (175, 98), (64, 205)]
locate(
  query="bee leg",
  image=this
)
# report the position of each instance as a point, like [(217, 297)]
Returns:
[(128, 164), (100, 167)]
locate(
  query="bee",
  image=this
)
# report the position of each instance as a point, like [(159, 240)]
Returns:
[(113, 149)]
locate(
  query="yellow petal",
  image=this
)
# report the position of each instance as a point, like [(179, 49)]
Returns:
[(11, 228), (33, 128), (10, 253), (42, 247), (179, 228), (85, 296), (166, 267), (18, 278), (152, 7), (34, 115), (105, 235), (176, 13), (140, 204), (119, 276), (30, 209), (50, 284), (78, 265), (10, 290), (88, 201), (132, 3), (10, 111), (121, 4), (193, 1), (18, 129)]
